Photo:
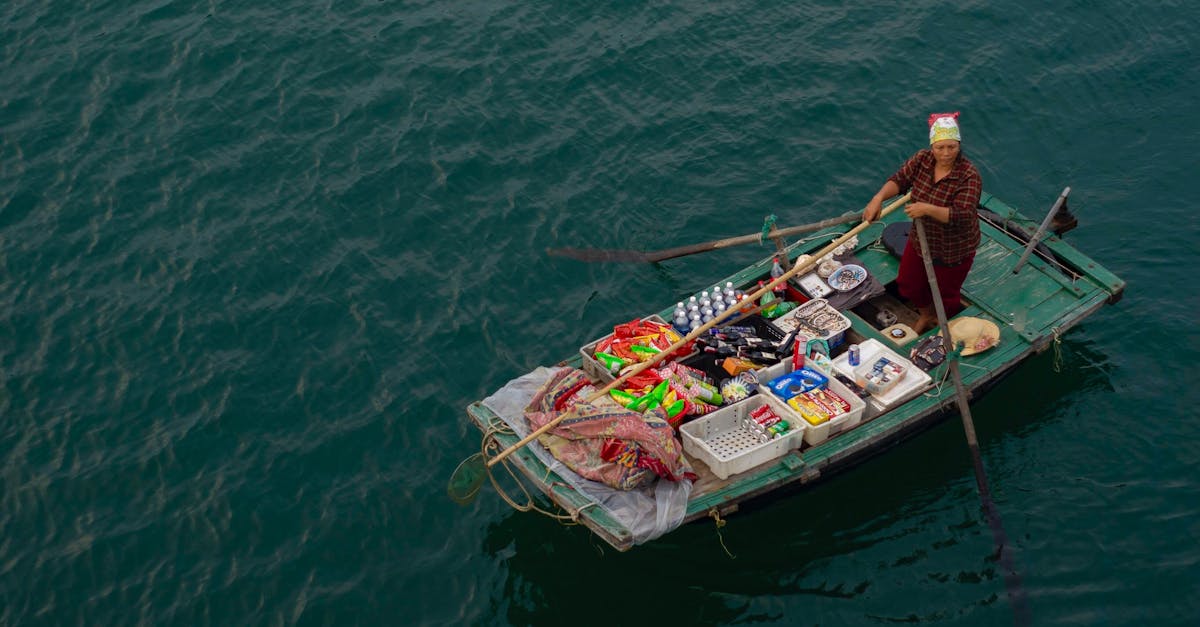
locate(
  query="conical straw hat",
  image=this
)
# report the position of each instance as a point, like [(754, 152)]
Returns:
[(976, 334)]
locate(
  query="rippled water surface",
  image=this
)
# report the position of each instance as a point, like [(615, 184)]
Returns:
[(255, 259)]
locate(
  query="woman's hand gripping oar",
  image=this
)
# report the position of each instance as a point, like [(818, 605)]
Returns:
[(470, 474), (1016, 593)]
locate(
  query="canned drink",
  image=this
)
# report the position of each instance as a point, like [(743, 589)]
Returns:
[(854, 354), (768, 420)]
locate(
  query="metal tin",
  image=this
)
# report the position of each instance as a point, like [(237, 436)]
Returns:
[(854, 355)]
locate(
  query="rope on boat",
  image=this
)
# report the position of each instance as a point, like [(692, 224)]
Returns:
[(490, 443), (720, 522), (878, 246), (936, 389), (1058, 357), (768, 224)]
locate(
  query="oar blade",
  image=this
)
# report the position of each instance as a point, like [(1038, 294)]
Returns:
[(598, 254)]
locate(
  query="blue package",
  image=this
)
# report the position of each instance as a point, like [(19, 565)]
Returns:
[(797, 382)]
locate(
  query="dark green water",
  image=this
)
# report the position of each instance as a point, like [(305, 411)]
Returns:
[(256, 258)]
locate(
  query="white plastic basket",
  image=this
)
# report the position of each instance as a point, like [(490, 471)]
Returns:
[(721, 441), (816, 434)]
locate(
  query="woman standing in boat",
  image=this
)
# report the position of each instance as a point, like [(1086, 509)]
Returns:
[(945, 188)]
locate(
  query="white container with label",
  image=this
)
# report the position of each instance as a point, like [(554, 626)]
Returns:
[(912, 383), (816, 434)]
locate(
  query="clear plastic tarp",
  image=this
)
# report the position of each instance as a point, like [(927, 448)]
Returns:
[(647, 513)]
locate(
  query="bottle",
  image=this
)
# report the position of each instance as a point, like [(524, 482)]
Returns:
[(730, 295), (776, 269), (680, 322), (693, 304), (679, 317), (705, 301), (776, 272)]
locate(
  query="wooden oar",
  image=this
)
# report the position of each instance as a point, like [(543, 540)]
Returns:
[(1016, 592), (799, 268), (655, 256)]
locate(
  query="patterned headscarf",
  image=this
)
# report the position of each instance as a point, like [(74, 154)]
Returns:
[(943, 126)]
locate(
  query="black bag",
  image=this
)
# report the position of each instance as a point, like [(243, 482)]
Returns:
[(895, 236), (928, 353)]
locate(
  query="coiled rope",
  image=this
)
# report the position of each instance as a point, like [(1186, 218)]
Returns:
[(492, 445)]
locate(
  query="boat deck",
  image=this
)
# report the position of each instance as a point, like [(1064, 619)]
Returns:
[(1051, 293)]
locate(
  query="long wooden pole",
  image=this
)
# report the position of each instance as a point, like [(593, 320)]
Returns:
[(602, 254), (799, 268), (1016, 592)]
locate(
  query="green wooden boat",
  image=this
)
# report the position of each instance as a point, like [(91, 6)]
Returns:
[(1056, 288)]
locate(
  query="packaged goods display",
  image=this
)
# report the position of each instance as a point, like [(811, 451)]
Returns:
[(880, 375), (743, 435), (629, 343), (883, 390), (818, 319)]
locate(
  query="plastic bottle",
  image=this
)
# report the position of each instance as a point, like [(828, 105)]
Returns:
[(776, 269), (679, 319), (693, 304), (730, 293), (776, 272)]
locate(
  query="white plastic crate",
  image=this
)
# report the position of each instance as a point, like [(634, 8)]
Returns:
[(727, 448), (816, 434), (912, 383)]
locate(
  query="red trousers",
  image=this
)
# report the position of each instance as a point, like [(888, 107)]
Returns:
[(914, 285)]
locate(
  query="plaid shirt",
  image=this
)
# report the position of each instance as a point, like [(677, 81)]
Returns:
[(951, 243)]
